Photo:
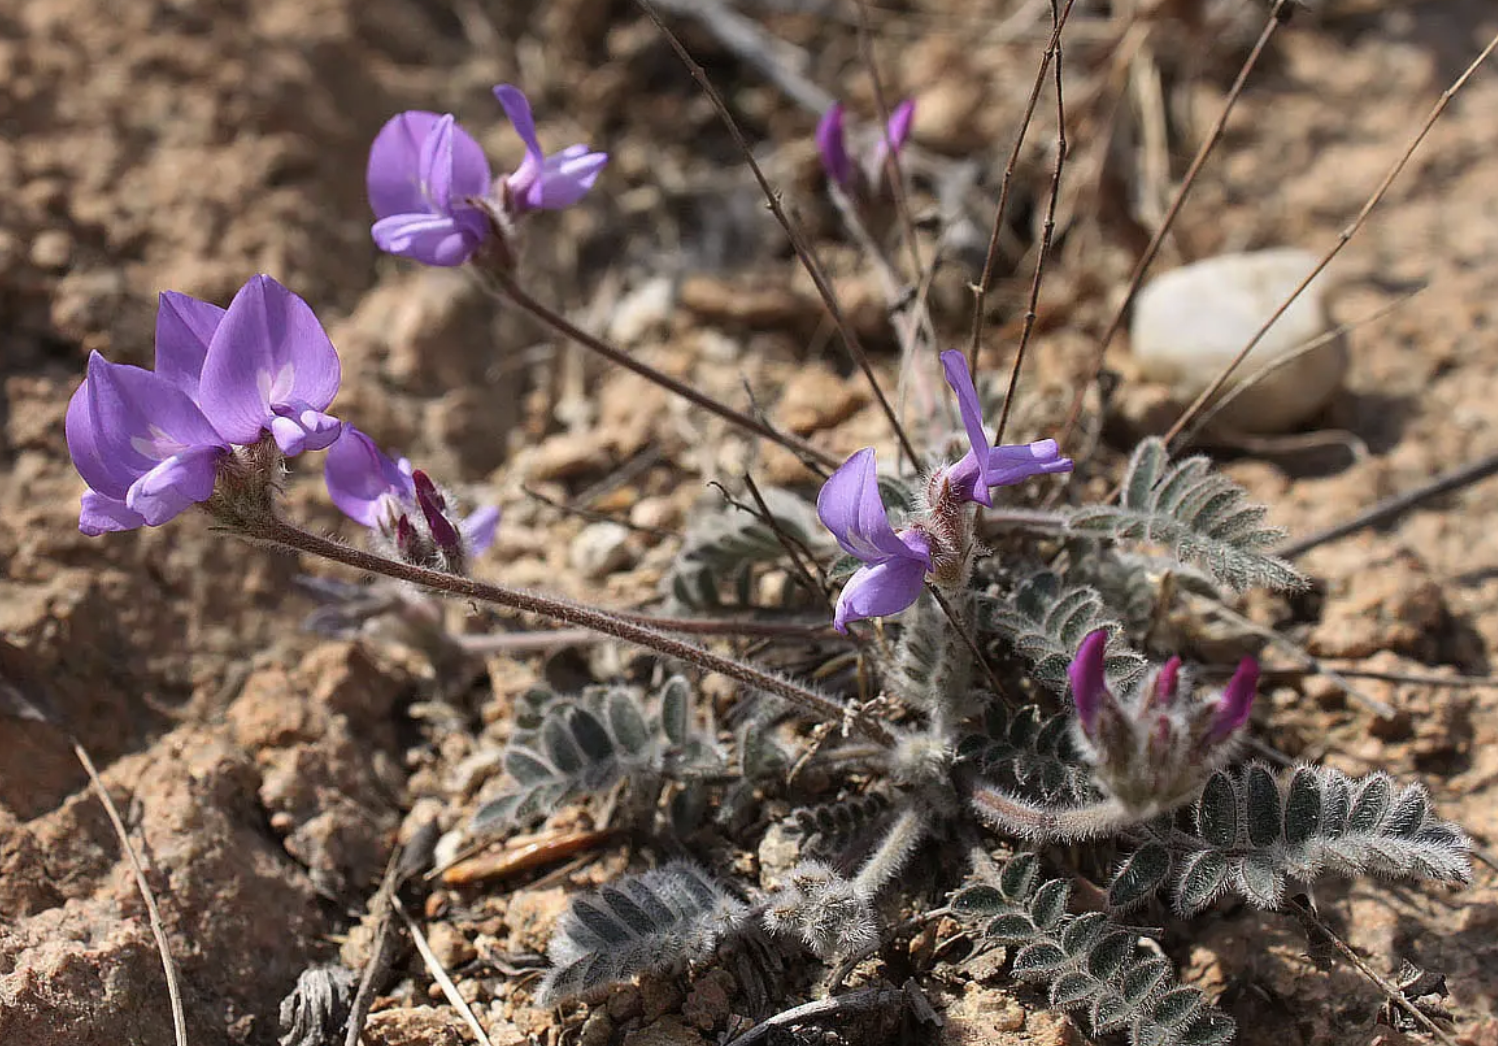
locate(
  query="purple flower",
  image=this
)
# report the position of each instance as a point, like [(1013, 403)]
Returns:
[(984, 466), (1153, 749), (270, 367), (1089, 687), (141, 444), (1237, 700), (544, 182), (832, 144), (371, 489), (423, 169), (895, 565)]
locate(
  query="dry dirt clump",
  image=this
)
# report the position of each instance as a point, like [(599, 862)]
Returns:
[(267, 774)]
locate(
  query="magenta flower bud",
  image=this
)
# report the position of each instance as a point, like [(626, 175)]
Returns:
[(1167, 683), (433, 507), (895, 133), (1236, 702), (376, 491), (833, 146), (1089, 688)]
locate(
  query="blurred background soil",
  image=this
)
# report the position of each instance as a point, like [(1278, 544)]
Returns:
[(265, 773)]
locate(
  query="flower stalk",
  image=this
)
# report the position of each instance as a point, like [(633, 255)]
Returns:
[(286, 535)]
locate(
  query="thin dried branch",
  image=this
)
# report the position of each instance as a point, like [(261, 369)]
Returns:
[(1343, 239), (798, 241), (1277, 16)]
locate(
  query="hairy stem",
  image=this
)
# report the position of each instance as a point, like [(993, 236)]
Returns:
[(1028, 820), (886, 862), (286, 535)]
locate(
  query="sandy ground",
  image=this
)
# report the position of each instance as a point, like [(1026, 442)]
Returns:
[(266, 773)]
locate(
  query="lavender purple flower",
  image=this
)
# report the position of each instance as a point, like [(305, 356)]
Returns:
[(423, 172), (545, 182), (150, 444), (861, 179), (895, 565), (435, 196), (271, 368), (141, 444), (1153, 751), (373, 490), (984, 466)]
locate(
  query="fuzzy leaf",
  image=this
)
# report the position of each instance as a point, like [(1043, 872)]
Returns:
[(1303, 806), (1142, 873), (1035, 961), (1263, 801), (979, 901), (655, 921), (1049, 903), (1217, 811), (676, 704), (1071, 990), (1202, 516), (1200, 880), (1017, 880), (1306, 824)]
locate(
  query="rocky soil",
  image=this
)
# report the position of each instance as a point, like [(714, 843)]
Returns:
[(266, 774)]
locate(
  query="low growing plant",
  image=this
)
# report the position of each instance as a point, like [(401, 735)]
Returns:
[(1005, 689)]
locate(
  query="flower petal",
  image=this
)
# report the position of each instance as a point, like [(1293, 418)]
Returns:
[(1016, 462), (269, 351), (566, 177), (176, 484), (879, 590), (393, 177), (832, 144), (895, 133), (968, 405), (453, 167), (138, 420), (849, 505), (359, 474), (101, 515), (518, 109), (479, 527), (1237, 701), (100, 472), (184, 327), (431, 239), (1088, 684), (297, 427)]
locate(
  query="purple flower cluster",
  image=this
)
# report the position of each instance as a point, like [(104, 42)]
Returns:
[(1154, 750), (860, 178), (436, 199), (896, 563), (149, 443)]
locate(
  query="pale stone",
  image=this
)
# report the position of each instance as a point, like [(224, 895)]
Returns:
[(600, 549), (1189, 325)]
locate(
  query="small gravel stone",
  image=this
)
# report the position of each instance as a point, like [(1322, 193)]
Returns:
[(51, 250), (600, 549)]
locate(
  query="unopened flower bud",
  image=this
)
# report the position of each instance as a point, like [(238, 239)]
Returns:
[(1236, 702)]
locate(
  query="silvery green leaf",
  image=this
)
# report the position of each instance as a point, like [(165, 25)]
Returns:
[(1141, 875)]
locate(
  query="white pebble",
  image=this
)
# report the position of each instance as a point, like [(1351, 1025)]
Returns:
[(1189, 325), (599, 549)]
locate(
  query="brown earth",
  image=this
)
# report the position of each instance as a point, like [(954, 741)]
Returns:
[(265, 774)]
